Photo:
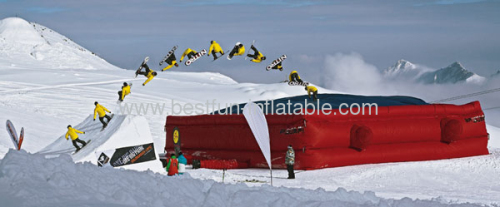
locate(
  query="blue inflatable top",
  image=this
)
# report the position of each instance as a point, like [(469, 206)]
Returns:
[(333, 101)]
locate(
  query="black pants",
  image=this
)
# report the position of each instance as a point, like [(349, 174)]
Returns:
[(234, 51), (191, 54), (291, 174), (315, 95), (104, 124), (295, 77), (255, 52), (79, 141), (120, 95), (145, 72), (215, 56)]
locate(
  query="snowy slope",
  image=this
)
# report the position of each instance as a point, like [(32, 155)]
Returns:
[(59, 182), (24, 45)]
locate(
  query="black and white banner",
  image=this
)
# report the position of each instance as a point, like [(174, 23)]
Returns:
[(126, 155)]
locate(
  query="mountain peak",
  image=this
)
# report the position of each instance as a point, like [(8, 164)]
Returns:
[(15, 29), (24, 44)]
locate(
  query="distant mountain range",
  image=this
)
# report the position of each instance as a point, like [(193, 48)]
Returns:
[(455, 73)]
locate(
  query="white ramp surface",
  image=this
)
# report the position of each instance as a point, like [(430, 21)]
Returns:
[(121, 131)]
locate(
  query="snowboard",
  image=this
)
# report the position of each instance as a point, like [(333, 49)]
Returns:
[(112, 115), (168, 55), (81, 147), (140, 67), (221, 55), (276, 62), (296, 83), (195, 57)]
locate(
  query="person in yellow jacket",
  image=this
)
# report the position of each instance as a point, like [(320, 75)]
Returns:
[(171, 61), (72, 132), (101, 110), (189, 52), (150, 74), (312, 90), (238, 50), (215, 48), (257, 56), (125, 91), (294, 77)]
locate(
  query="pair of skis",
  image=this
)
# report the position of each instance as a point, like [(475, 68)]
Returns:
[(17, 141)]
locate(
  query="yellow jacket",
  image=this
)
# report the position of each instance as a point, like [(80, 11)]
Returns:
[(189, 50), (169, 66), (258, 59), (310, 90), (125, 91), (72, 133), (100, 110), (241, 51), (293, 72), (150, 77), (215, 47)]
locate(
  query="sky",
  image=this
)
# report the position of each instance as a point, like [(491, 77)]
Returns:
[(434, 33)]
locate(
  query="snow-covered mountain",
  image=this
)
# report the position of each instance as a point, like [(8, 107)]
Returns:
[(454, 73), (404, 70), (26, 44)]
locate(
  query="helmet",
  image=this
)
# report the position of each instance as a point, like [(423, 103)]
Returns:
[(154, 73), (212, 42), (125, 84), (306, 88), (146, 59), (69, 126), (289, 146), (263, 58), (95, 103), (238, 43)]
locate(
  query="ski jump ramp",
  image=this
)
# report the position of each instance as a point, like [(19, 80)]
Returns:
[(122, 131)]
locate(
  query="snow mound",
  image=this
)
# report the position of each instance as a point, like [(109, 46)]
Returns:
[(41, 181), (24, 45), (121, 131)]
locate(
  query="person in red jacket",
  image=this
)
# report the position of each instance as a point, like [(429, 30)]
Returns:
[(172, 166)]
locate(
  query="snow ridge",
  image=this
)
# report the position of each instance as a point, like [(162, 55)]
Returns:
[(24, 44)]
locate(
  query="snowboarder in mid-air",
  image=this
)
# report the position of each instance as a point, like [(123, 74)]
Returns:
[(290, 161), (101, 110), (294, 77), (171, 61), (257, 56), (238, 50), (72, 132), (189, 53), (150, 74), (124, 92), (215, 48), (312, 90)]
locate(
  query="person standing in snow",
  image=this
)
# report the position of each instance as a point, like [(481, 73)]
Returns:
[(172, 166), (290, 161), (312, 90), (215, 48), (125, 91), (72, 132), (182, 163), (257, 56), (101, 110)]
